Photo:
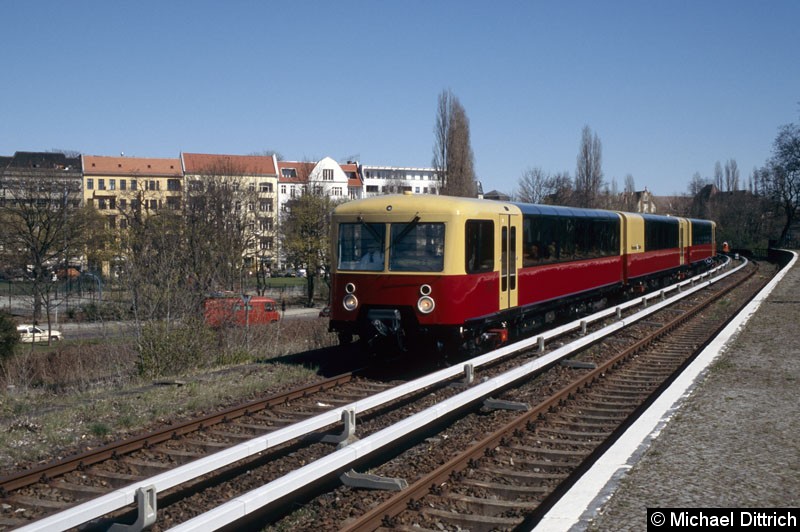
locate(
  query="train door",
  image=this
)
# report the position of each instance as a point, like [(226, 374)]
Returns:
[(683, 239), (510, 244)]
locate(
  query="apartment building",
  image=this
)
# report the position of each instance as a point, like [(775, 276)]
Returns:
[(254, 183), (118, 186)]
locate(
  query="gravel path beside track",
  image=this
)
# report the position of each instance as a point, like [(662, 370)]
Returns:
[(734, 442)]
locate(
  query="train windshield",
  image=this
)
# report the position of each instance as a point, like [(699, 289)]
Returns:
[(361, 246), (416, 247)]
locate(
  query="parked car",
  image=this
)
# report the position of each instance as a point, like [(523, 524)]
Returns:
[(29, 334)]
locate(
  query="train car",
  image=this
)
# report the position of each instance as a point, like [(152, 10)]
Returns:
[(655, 248), (453, 272), (702, 241), (239, 311)]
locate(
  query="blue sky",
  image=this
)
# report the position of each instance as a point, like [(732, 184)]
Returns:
[(669, 87)]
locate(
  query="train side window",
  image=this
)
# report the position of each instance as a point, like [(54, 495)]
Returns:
[(479, 246)]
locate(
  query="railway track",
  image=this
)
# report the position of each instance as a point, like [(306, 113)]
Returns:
[(41, 491), (510, 478)]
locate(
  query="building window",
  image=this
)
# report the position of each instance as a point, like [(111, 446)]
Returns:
[(327, 174), (101, 184), (283, 189), (173, 185), (123, 203), (251, 187), (372, 189), (101, 203), (153, 204), (112, 184), (153, 185), (336, 191), (288, 172), (89, 183), (133, 184), (265, 205), (122, 184), (265, 187)]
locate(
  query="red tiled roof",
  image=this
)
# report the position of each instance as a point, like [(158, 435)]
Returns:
[(197, 163), (101, 165), (302, 171), (351, 169)]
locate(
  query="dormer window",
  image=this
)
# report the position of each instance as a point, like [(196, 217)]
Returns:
[(288, 172)]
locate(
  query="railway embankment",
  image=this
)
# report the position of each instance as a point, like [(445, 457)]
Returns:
[(731, 441)]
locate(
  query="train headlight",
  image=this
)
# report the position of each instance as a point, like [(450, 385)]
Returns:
[(350, 302), (426, 304)]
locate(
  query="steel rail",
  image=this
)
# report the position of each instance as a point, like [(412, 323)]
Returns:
[(392, 507), (125, 496), (339, 461), (73, 463)]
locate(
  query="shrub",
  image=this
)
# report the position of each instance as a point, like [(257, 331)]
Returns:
[(9, 337), (172, 348)]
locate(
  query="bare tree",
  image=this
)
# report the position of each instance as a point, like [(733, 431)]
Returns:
[(41, 228), (221, 225), (562, 190), (731, 175), (269, 153), (696, 184), (589, 172), (452, 151), (784, 175), (630, 184), (534, 186), (718, 176)]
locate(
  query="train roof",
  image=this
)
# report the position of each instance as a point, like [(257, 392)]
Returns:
[(660, 218), (429, 203), (574, 212)]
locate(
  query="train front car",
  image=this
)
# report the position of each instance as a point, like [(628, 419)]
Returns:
[(414, 271)]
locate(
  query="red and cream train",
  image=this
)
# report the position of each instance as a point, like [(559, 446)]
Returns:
[(452, 272)]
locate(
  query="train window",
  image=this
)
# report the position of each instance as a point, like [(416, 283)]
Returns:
[(361, 246), (416, 247), (660, 234), (548, 239), (479, 246), (701, 233)]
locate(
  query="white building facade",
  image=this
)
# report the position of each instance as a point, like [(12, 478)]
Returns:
[(380, 180)]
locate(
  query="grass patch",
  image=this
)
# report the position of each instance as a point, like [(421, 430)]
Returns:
[(77, 394)]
